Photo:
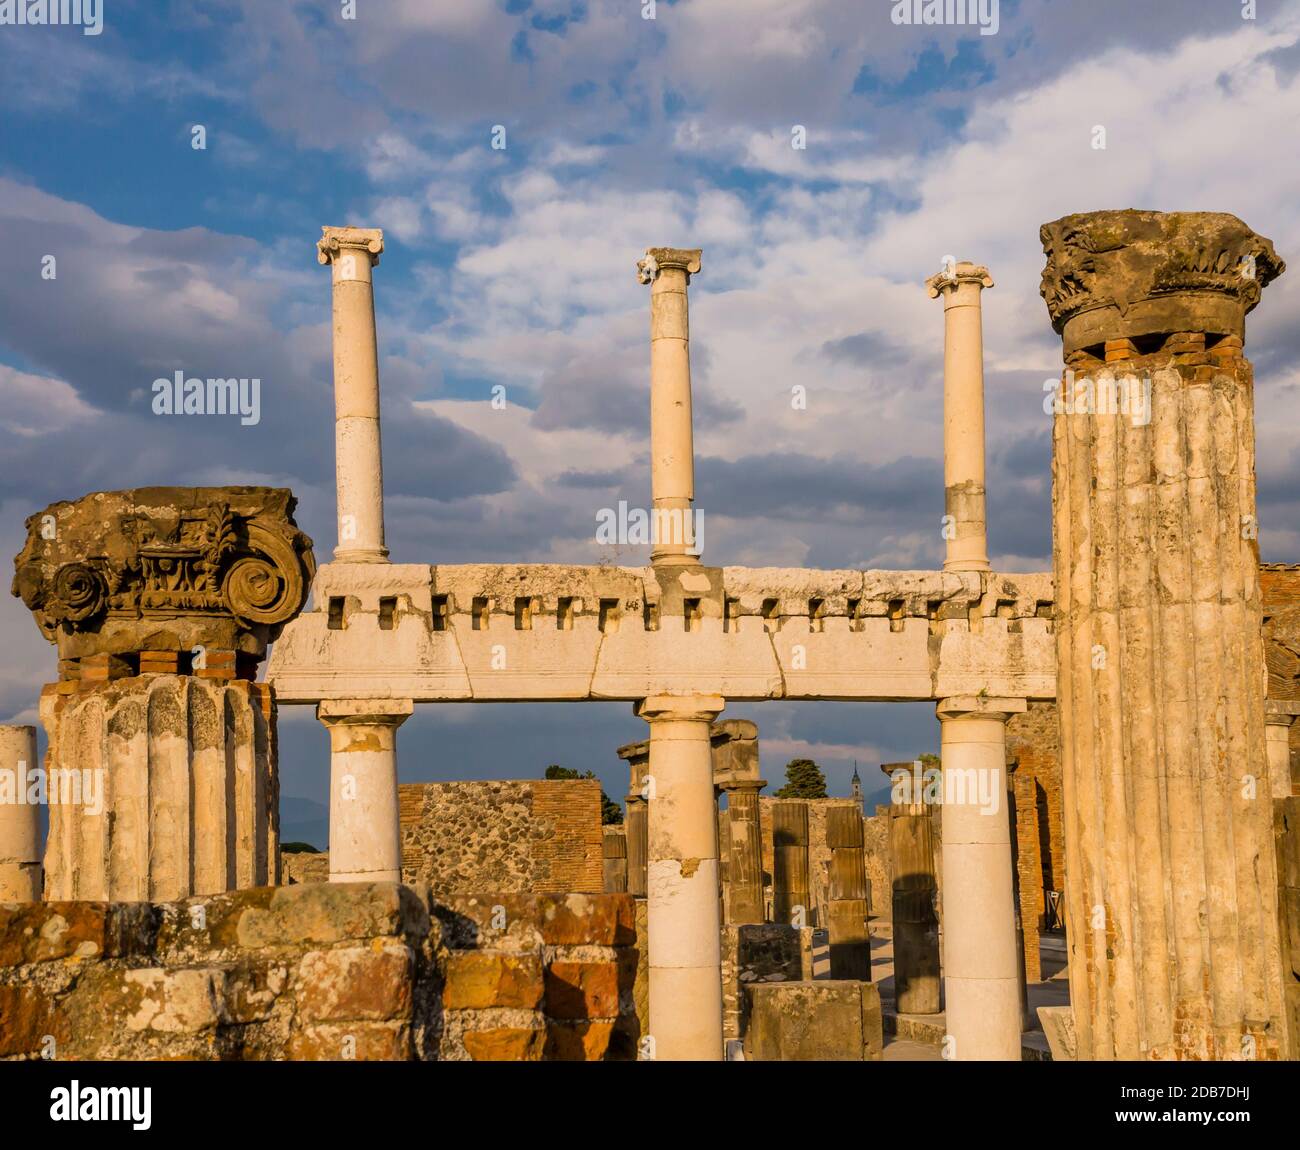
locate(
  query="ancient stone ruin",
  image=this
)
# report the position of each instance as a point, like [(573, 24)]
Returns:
[(1117, 769)]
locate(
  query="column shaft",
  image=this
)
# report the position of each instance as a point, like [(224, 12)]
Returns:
[(365, 835), (358, 460), (683, 920), (916, 925), (745, 871), (20, 852), (963, 415), (981, 960), (672, 449), (790, 886)]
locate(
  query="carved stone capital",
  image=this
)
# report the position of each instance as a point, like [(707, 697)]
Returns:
[(658, 259), (1128, 274), (335, 240), (962, 272), (165, 569), (680, 709)]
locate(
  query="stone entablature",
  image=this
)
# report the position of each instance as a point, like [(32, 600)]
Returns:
[(545, 631), (125, 581)]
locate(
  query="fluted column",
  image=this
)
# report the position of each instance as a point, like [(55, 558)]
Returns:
[(745, 864), (668, 271), (352, 254), (683, 917), (365, 834), (1172, 883), (966, 531), (637, 815), (846, 910), (1277, 736), (791, 896), (980, 954), (20, 851)]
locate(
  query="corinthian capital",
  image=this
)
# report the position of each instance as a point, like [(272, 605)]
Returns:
[(1128, 274)]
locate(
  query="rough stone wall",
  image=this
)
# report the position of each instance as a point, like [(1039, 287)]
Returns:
[(875, 843), (324, 971), (754, 953), (539, 836), (1033, 746), (1286, 825)]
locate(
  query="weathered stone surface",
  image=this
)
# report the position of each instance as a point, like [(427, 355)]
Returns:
[(1128, 274), (576, 990), (480, 980), (368, 983), (823, 1021), (165, 569), (507, 1044)]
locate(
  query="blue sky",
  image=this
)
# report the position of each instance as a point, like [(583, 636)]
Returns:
[(515, 267)]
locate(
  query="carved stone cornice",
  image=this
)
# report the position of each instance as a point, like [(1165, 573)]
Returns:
[(334, 240), (1127, 274), (657, 259), (165, 569)]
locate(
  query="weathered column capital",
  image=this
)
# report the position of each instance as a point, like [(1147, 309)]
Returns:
[(339, 241), (365, 712), (144, 580), (959, 707), (680, 708), (961, 275), (662, 259), (1129, 274)]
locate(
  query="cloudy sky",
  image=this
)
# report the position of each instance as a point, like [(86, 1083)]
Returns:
[(514, 266)]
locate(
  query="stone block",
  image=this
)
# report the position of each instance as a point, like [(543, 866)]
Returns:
[(822, 1021), (44, 932), (582, 990), (587, 920), (477, 980), (506, 1044), (352, 1042), (504, 922), (362, 982), (27, 1016), (579, 1041)]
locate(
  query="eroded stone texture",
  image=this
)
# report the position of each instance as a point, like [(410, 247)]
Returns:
[(823, 1021), (162, 601), (329, 971), (1172, 889)]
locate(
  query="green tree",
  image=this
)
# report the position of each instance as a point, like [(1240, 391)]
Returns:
[(610, 811), (803, 780)]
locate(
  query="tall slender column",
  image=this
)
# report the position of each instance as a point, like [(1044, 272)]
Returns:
[(1172, 887), (636, 816), (1277, 736), (981, 959), (365, 836), (966, 529), (916, 925), (668, 271), (683, 916), (358, 460), (790, 887), (20, 852), (847, 896), (745, 865)]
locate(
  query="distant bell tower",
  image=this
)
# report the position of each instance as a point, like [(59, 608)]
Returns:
[(857, 784)]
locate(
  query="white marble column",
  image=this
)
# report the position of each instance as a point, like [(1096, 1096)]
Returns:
[(20, 852), (365, 838), (963, 414), (980, 955), (358, 461), (683, 915), (668, 271)]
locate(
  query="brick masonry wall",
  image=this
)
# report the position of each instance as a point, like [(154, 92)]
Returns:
[(538, 836), (323, 971)]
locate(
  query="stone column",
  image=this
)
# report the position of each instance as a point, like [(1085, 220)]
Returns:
[(358, 460), (790, 889), (1172, 890), (683, 919), (614, 860), (735, 772), (916, 925), (847, 909), (162, 757), (981, 959), (365, 833), (1277, 736), (966, 531), (668, 271), (636, 815), (21, 879)]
